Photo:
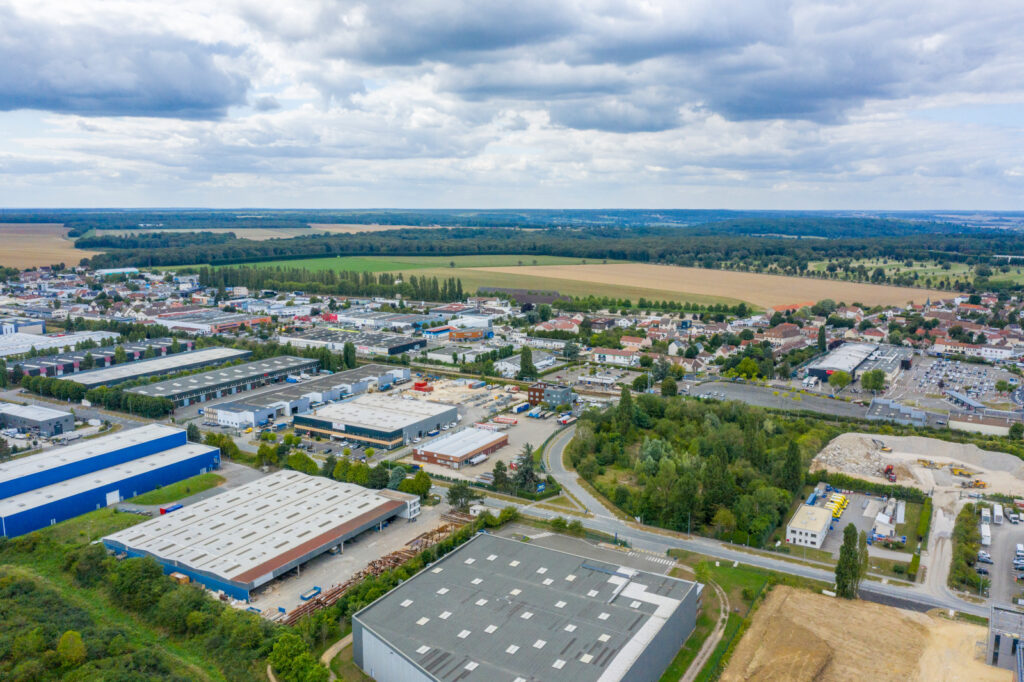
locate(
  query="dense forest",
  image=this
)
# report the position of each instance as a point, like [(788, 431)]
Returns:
[(153, 240)]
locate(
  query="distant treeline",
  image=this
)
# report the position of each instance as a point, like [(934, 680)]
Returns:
[(731, 244), (153, 240), (344, 283)]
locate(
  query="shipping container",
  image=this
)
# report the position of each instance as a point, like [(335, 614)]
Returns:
[(986, 535), (997, 514), (168, 508), (521, 407)]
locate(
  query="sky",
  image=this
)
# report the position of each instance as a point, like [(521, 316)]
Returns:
[(528, 104)]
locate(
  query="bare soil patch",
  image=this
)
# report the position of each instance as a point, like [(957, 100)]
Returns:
[(798, 635), (759, 289), (856, 454), (31, 244)]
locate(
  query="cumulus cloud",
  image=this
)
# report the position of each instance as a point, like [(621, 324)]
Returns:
[(536, 102), (99, 70)]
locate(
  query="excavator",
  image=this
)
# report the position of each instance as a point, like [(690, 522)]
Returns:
[(973, 484), (928, 464), (880, 445)]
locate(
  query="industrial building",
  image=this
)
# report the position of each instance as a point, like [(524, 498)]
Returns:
[(375, 319), (19, 343), (53, 486), (377, 420), (211, 321), (218, 383), (300, 397), (71, 362), (1005, 632), (244, 538), (809, 526), (509, 367), (366, 343), (499, 609), (845, 358), (167, 364), (42, 421), (10, 324), (467, 447)]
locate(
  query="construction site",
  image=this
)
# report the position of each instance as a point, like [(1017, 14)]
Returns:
[(928, 464), (798, 635)]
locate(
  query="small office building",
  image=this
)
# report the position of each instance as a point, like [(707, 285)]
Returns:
[(35, 419), (377, 420), (809, 526)]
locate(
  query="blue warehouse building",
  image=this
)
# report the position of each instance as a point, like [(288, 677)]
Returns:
[(57, 485)]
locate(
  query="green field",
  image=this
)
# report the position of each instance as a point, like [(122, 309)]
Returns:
[(403, 263), (176, 491)]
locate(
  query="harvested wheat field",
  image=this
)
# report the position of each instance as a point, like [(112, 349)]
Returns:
[(761, 290), (30, 244), (798, 635)]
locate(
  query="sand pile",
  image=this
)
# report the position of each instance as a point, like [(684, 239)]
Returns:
[(798, 635)]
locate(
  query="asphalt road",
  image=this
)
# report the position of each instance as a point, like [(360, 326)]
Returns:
[(766, 397), (917, 597)]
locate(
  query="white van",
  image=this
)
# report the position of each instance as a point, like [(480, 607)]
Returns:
[(1020, 550)]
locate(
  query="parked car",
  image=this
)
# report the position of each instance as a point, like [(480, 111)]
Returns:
[(981, 570), (984, 560)]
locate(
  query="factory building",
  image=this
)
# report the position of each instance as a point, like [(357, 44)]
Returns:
[(42, 421), (72, 362), (302, 396), (366, 343), (197, 388), (167, 364), (377, 420), (845, 358), (21, 325), (53, 486), (19, 343), (237, 541), (467, 447), (498, 609), (211, 321), (550, 394)]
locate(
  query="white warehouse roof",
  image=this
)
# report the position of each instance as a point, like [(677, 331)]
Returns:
[(244, 534), (381, 412), (166, 364), (462, 443), (51, 459), (36, 412)]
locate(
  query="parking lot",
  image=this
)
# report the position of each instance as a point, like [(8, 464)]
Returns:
[(604, 379), (1005, 538), (926, 382)]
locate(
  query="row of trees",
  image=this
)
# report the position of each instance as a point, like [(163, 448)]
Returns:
[(110, 398)]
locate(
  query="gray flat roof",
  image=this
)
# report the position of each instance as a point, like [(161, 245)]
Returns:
[(461, 443), (368, 338), (289, 392), (35, 412), (166, 364), (381, 412), (51, 459), (499, 609), (119, 472), (18, 343), (845, 358), (216, 377), (253, 524)]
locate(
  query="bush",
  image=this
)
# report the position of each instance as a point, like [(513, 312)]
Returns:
[(925, 520), (915, 566)]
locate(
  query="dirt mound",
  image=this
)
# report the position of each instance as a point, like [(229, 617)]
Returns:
[(798, 635)]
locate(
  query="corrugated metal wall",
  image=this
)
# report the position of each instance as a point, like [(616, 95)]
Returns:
[(63, 509)]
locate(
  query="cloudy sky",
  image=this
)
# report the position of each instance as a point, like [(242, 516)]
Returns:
[(531, 103)]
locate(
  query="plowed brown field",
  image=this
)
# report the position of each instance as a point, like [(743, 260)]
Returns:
[(24, 245)]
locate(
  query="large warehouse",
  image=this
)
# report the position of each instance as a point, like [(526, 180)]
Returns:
[(377, 420), (366, 343), (167, 364), (53, 486), (845, 358), (499, 609), (297, 398), (462, 448), (43, 421), (221, 382), (71, 362), (242, 539), (18, 343)]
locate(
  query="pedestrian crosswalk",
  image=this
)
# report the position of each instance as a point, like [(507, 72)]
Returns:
[(652, 557)]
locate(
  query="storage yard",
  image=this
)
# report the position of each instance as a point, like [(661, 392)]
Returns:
[(798, 635)]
